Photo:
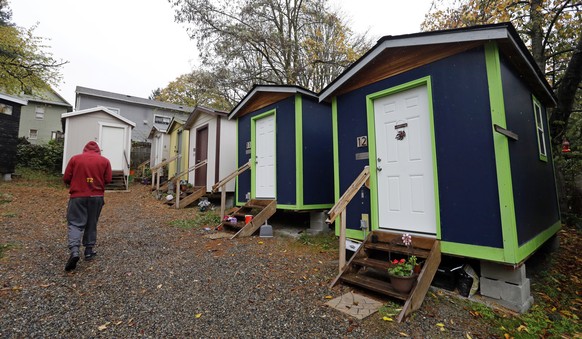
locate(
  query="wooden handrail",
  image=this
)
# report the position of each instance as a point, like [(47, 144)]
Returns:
[(343, 202), (222, 184), (155, 170), (178, 176), (340, 209), (231, 176), (165, 162)]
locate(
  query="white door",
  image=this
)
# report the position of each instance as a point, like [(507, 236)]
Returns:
[(112, 145), (406, 199), (159, 151), (265, 157)]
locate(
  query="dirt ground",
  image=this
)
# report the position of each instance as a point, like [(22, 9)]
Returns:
[(33, 233)]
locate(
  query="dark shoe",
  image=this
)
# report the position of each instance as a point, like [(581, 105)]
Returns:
[(90, 255), (72, 262)]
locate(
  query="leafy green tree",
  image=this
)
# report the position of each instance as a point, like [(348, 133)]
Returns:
[(192, 89), (25, 63), (246, 42)]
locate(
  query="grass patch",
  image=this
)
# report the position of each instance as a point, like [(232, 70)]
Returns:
[(34, 177), (4, 248), (208, 219), (323, 241), (9, 215), (390, 310), (5, 198), (555, 288)]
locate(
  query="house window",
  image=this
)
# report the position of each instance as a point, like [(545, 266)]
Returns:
[(32, 134), (56, 135), (161, 119), (6, 109), (540, 132), (39, 113)]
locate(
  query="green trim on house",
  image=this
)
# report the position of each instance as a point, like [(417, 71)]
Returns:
[(298, 150), (336, 173), (254, 149), (473, 251), (502, 158), (237, 202), (536, 102), (525, 250), (424, 81), (350, 233), (303, 207), (499, 254)]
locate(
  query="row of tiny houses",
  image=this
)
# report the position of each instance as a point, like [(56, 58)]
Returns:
[(207, 135)]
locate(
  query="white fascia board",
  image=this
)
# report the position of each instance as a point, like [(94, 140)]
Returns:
[(272, 89), (96, 109), (19, 101), (420, 40)]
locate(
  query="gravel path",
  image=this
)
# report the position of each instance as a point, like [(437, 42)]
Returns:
[(154, 280)]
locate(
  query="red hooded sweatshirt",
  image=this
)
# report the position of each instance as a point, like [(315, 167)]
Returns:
[(88, 172)]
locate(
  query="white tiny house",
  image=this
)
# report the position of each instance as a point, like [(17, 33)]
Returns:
[(111, 131), (212, 138)]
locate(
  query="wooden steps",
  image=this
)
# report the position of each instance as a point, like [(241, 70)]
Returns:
[(118, 182), (367, 269), (188, 197), (261, 210)]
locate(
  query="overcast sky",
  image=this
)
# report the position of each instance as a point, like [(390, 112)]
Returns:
[(134, 46)]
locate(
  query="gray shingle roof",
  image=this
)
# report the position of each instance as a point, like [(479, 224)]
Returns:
[(132, 99)]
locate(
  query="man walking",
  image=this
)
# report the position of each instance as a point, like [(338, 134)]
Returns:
[(87, 174)]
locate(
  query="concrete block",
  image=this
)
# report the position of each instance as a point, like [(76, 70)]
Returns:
[(490, 287), (317, 222), (503, 272), (516, 293), (7, 176)]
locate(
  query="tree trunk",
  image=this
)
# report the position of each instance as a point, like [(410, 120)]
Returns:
[(566, 94)]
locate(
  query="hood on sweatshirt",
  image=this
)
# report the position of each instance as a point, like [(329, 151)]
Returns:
[(93, 147)]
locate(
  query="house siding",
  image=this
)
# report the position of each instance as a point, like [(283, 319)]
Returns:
[(317, 153), (535, 196), (50, 123), (141, 115), (9, 137), (465, 156), (284, 153)]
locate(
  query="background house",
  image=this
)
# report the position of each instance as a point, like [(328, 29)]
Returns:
[(9, 120), (110, 130), (212, 138), (287, 134), (40, 119), (144, 112)]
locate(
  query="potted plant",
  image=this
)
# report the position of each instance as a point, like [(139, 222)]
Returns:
[(402, 274)]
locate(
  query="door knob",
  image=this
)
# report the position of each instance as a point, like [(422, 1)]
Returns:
[(379, 168)]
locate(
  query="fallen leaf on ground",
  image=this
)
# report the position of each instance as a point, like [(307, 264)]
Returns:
[(387, 319), (328, 297), (403, 334), (198, 315)]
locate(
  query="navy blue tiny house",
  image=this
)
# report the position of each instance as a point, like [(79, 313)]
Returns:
[(453, 125), (288, 134), (10, 108)]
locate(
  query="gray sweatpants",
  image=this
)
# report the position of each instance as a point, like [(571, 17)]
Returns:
[(82, 216)]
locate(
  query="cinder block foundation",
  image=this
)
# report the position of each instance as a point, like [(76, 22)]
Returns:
[(317, 222), (508, 285), (7, 176)]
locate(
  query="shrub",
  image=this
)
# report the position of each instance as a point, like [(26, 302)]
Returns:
[(47, 157)]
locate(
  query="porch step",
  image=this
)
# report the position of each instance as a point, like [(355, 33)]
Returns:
[(367, 269), (196, 193), (260, 210), (373, 284), (117, 182)]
